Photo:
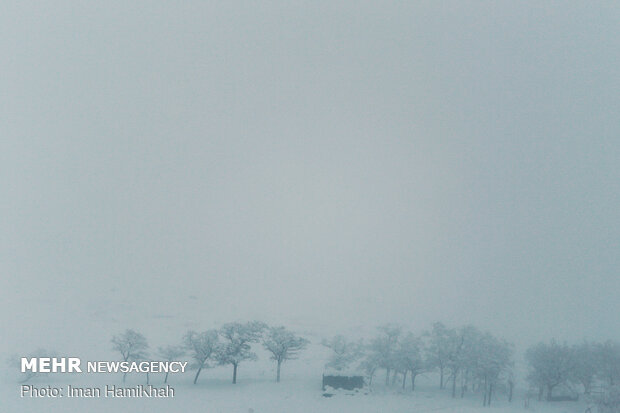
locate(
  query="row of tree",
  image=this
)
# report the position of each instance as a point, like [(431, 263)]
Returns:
[(586, 365), (230, 345), (467, 358)]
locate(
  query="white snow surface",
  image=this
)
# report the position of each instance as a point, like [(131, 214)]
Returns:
[(88, 337), (259, 393)]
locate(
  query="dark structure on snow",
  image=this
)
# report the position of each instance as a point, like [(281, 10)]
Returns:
[(343, 382)]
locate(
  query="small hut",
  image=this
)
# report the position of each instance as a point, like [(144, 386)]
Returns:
[(342, 380)]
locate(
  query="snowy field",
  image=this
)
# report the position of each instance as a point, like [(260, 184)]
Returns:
[(256, 390), (263, 395), (89, 334)]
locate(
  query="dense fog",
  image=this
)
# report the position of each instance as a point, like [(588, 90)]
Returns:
[(328, 167)]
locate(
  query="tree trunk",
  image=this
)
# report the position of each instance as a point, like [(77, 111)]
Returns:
[(278, 374), (511, 386), (148, 377), (541, 391), (441, 377), (235, 373), (387, 377), (166, 378), (454, 385), (124, 376), (413, 376), (394, 376), (549, 392), (197, 374), (404, 378), (490, 395)]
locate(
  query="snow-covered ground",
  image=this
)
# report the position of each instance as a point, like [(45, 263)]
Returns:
[(256, 391), (261, 394), (88, 336)]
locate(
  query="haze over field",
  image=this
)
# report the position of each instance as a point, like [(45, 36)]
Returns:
[(321, 165)]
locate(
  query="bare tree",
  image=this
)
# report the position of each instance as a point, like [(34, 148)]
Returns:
[(202, 347), (237, 339), (132, 346), (283, 345), (171, 353)]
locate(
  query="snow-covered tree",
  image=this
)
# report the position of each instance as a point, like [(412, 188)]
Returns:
[(461, 349), (409, 358), (171, 353), (440, 346), (608, 355), (344, 352), (237, 340), (384, 348), (202, 348), (550, 366), (610, 400), (369, 365), (283, 345), (586, 365), (510, 381), (132, 346), (495, 359), (467, 361)]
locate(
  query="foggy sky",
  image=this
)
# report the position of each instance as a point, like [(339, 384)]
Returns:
[(335, 164)]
